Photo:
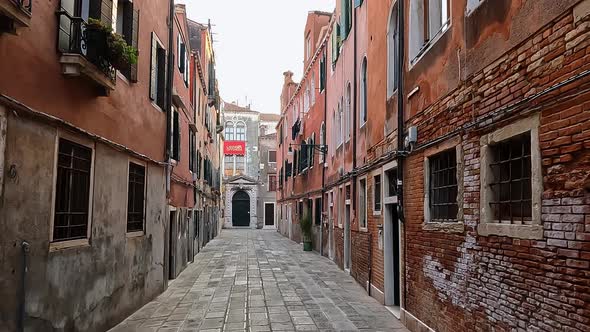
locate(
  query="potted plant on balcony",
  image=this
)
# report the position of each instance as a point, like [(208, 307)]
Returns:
[(116, 50), (305, 225)]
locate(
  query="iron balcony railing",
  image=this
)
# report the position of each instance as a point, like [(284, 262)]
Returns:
[(76, 36), (26, 5)]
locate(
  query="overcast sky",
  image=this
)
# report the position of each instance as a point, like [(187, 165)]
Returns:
[(256, 41)]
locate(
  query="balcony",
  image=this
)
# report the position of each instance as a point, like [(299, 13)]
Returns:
[(15, 14), (84, 51)]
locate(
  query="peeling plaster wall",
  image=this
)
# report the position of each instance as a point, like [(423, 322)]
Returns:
[(88, 288)]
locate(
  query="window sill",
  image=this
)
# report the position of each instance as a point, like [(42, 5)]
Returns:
[(364, 229), (531, 232), (377, 213), (426, 47), (131, 235), (446, 227), (72, 244)]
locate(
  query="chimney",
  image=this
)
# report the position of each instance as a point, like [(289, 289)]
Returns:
[(288, 76)]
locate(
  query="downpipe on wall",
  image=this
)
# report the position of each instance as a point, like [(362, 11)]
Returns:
[(25, 249)]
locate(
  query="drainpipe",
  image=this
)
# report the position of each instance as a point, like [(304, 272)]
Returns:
[(400, 128), (354, 150), (324, 154), (25, 246), (169, 83)]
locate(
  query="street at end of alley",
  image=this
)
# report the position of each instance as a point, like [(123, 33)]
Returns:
[(248, 280)]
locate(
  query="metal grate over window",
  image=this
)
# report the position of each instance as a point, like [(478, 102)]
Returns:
[(511, 180), (443, 186), (136, 198), (72, 191)]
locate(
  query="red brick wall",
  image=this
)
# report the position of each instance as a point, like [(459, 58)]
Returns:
[(360, 253), (339, 247), (468, 282)]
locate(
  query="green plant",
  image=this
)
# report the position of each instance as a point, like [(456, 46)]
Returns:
[(306, 225), (118, 53)]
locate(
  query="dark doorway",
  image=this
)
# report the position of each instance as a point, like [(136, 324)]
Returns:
[(241, 209), (172, 246), (269, 214)]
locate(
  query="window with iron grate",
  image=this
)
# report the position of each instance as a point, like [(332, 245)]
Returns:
[(511, 180), (443, 186)]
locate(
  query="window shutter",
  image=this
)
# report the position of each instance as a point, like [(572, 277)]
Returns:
[(161, 81), (178, 50), (344, 19), (182, 57), (154, 69), (358, 3), (135, 44), (334, 45)]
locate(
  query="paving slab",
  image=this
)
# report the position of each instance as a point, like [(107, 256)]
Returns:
[(247, 280)]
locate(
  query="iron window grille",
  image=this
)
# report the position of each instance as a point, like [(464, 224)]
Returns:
[(511, 180), (391, 176), (72, 196), (136, 198), (443, 186)]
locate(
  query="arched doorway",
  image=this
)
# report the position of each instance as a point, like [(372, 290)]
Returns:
[(241, 209)]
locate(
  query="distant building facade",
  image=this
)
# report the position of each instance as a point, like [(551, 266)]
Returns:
[(243, 171)]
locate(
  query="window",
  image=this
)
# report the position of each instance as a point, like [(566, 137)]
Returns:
[(240, 163), (336, 40), (127, 25), (511, 176), (390, 183), (72, 191), (240, 131), (272, 182), (347, 113), (308, 47), (339, 129), (192, 142), (472, 5), (340, 206), (318, 211), (511, 180), (393, 56), (182, 58), (323, 73), (312, 93), (363, 90), (443, 188), (346, 18), (229, 131), (377, 194), (158, 73), (363, 203), (428, 20), (175, 131), (306, 100), (229, 162), (311, 149), (136, 198), (272, 156), (322, 142)]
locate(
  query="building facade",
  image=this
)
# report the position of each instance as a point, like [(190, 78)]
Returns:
[(245, 177), (84, 150), (456, 178)]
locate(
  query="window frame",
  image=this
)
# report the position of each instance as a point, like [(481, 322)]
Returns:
[(427, 43), (145, 186), (377, 212), (240, 124), (268, 156), (363, 89), (487, 225), (366, 201), (392, 47), (159, 45), (65, 244), (457, 226)]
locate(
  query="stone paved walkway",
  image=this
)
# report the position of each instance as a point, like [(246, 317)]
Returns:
[(249, 280)]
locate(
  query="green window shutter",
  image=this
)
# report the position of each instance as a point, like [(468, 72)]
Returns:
[(344, 17), (135, 44), (358, 3), (154, 69)]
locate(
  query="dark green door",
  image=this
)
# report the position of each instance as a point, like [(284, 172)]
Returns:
[(241, 209)]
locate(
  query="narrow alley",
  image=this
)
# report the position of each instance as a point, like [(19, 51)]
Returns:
[(260, 281)]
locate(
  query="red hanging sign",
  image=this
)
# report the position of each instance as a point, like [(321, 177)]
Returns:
[(234, 148)]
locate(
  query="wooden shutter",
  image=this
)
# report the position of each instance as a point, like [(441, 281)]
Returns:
[(182, 57), (344, 19), (334, 45), (135, 44), (161, 82), (154, 69), (178, 49)]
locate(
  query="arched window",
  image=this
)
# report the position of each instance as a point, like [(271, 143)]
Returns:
[(363, 89), (347, 114), (240, 131), (229, 131), (339, 119), (392, 52), (312, 88), (322, 141)]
